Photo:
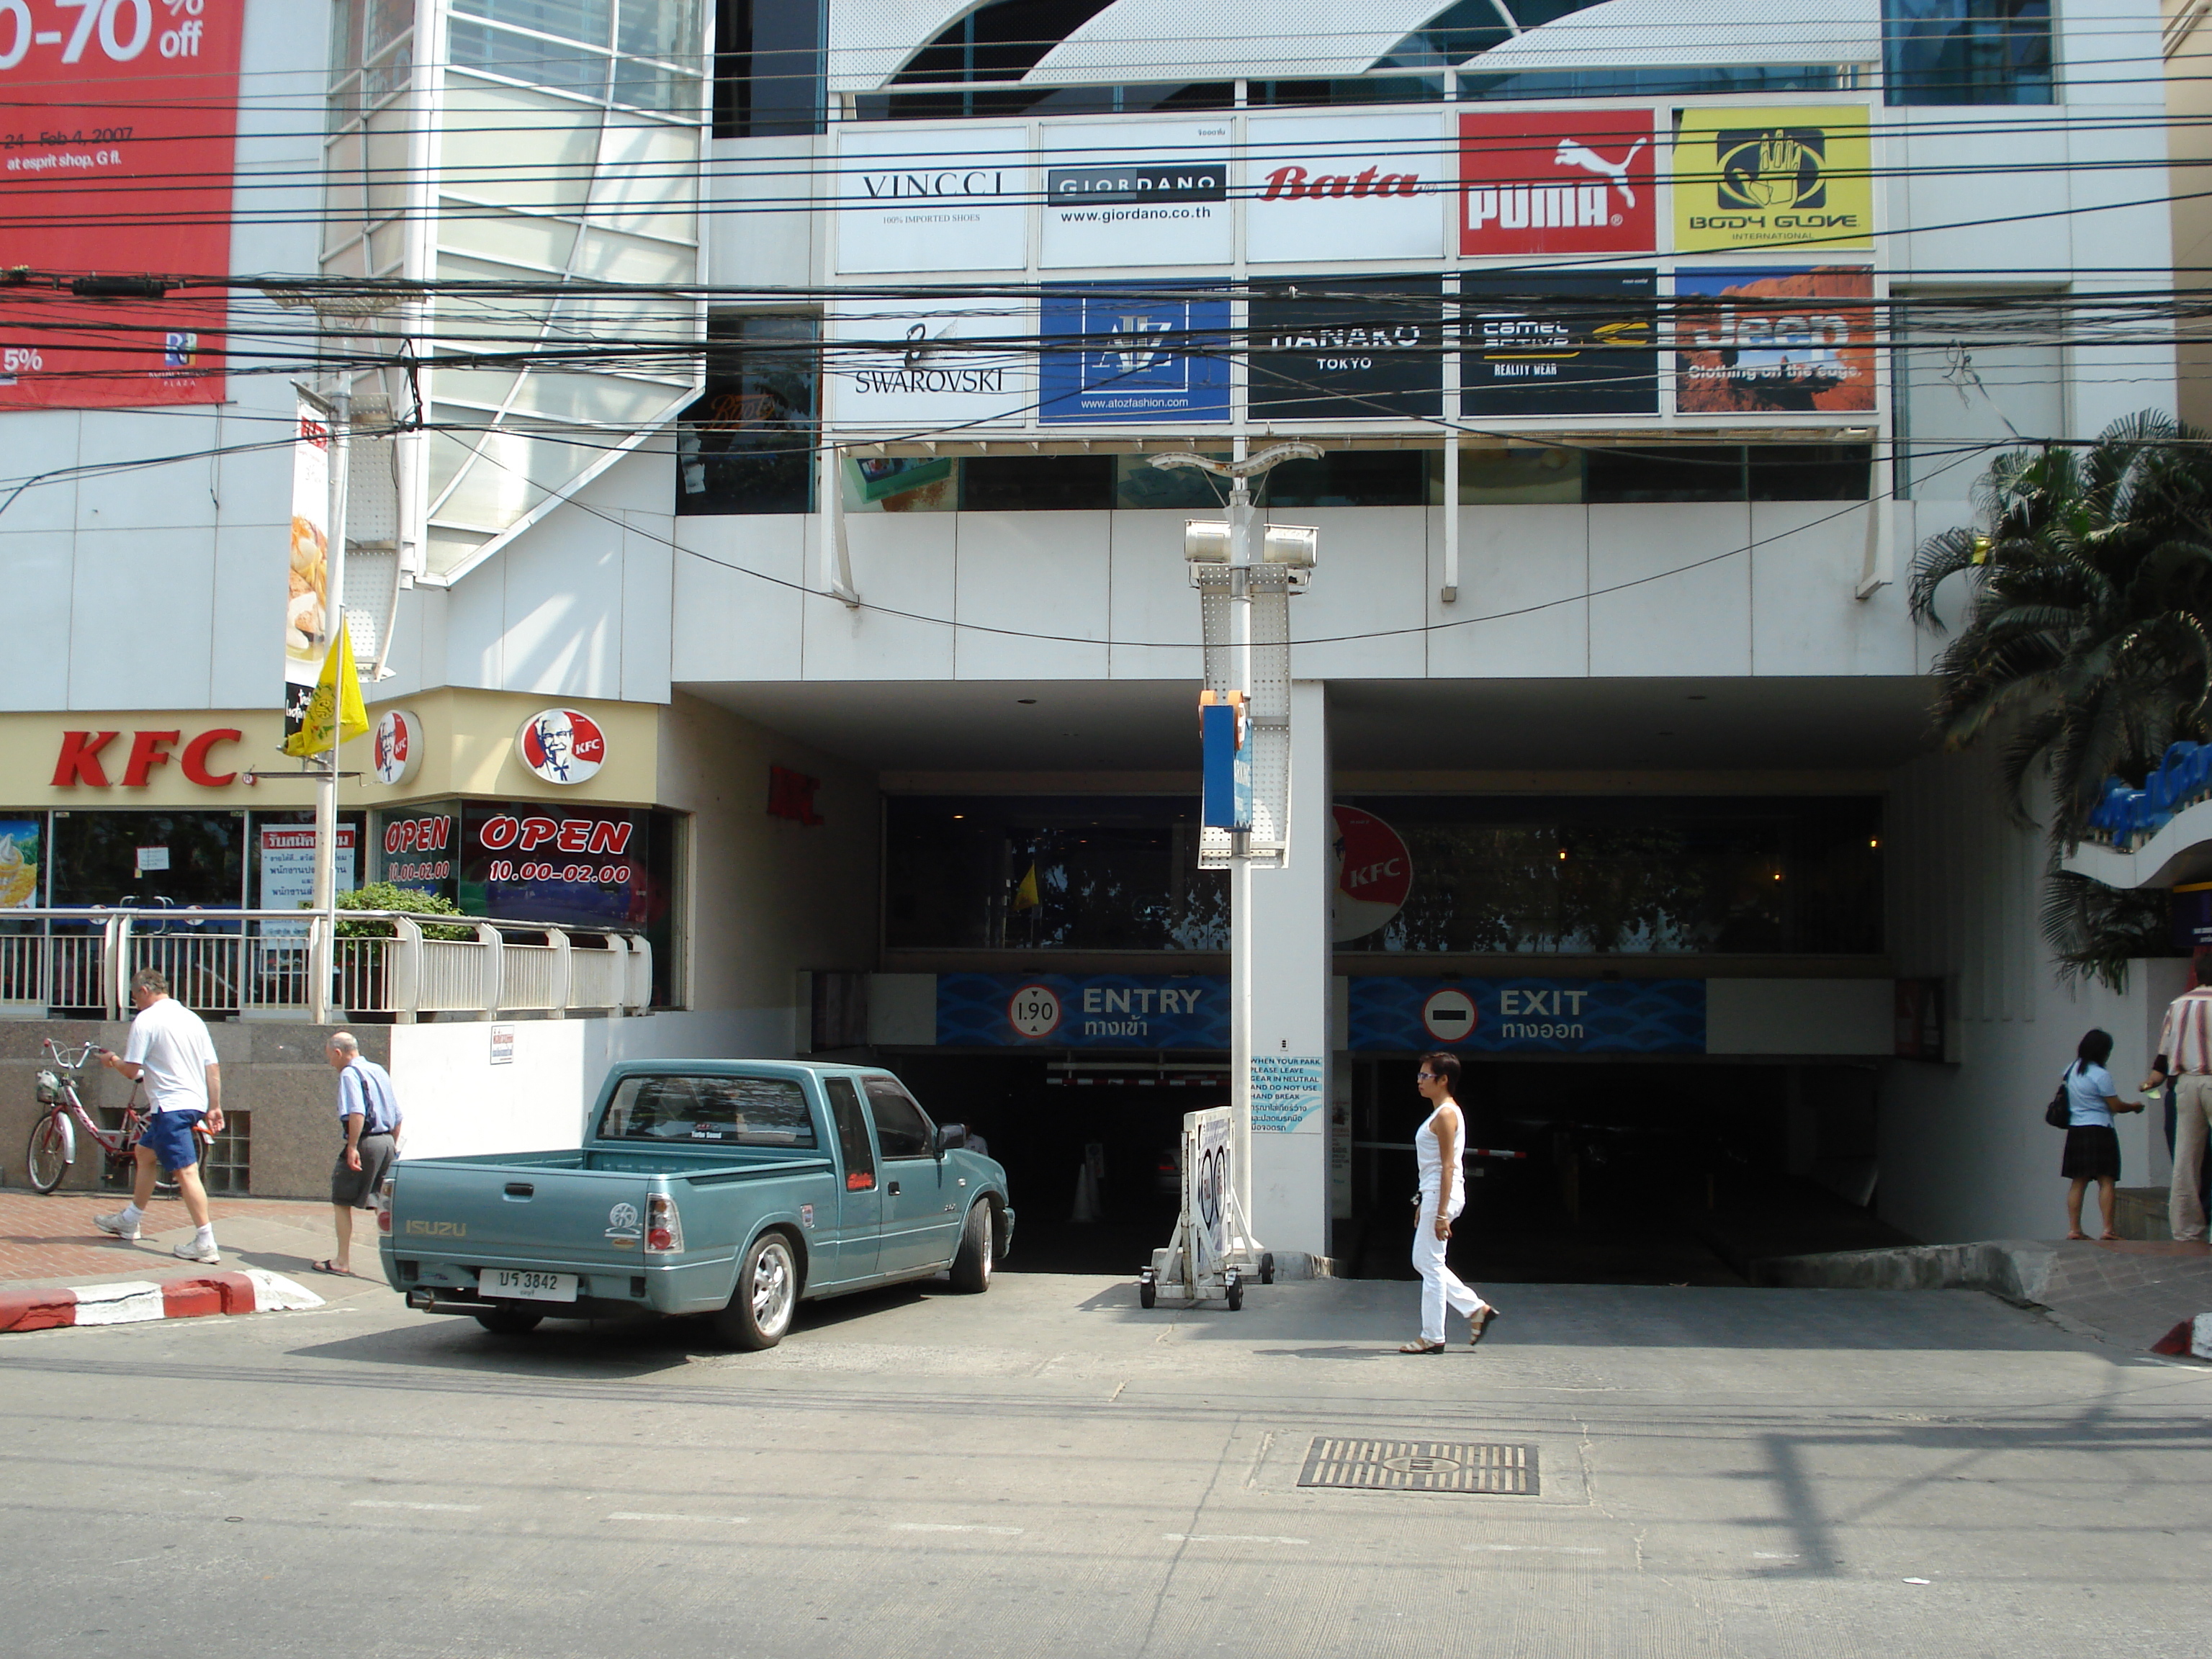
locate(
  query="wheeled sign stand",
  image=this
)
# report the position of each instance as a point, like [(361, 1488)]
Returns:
[(1213, 1248)]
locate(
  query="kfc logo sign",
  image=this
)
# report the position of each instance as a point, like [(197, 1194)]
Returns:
[(562, 746), (1344, 187), (1557, 181), (397, 750)]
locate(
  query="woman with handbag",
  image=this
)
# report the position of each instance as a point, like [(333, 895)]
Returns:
[(2093, 1145)]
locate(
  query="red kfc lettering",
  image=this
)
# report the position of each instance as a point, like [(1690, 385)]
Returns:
[(536, 832), (147, 750), (498, 834), (194, 759), (609, 838), (80, 759), (575, 835)]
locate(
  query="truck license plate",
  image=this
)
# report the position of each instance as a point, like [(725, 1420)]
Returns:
[(507, 1282)]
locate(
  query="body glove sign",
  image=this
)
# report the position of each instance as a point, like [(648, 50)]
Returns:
[(1772, 177)]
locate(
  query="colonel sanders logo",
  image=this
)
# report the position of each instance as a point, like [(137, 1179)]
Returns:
[(562, 746)]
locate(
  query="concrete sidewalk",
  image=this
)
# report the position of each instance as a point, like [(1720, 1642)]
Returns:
[(48, 1241)]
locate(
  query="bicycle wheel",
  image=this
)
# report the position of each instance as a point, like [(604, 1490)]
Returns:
[(52, 1150)]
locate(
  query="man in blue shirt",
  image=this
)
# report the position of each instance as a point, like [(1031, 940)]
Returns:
[(368, 1112)]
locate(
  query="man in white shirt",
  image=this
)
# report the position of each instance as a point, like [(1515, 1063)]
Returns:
[(368, 1114), (170, 1051), (2185, 1040)]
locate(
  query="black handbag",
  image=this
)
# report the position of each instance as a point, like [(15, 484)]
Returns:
[(2059, 1115)]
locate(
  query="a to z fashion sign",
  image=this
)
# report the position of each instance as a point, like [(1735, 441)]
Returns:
[(904, 364), (1136, 195), (932, 199), (1557, 181), (1782, 176), (1117, 353), (1345, 187)]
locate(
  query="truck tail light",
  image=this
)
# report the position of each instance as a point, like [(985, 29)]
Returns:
[(664, 1227), (384, 1205)]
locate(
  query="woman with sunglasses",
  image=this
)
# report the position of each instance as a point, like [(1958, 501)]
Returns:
[(1437, 1144)]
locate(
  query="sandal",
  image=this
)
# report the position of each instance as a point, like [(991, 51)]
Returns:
[(1422, 1347), (1479, 1326), (329, 1265)]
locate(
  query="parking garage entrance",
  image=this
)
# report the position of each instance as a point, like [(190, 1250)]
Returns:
[(1599, 1171)]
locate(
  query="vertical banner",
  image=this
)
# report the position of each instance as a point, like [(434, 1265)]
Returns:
[(307, 600), (1116, 353), (1772, 177), (1774, 342), (1557, 181), (116, 155)]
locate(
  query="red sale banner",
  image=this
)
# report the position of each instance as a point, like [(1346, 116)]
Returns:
[(118, 124), (1557, 181)]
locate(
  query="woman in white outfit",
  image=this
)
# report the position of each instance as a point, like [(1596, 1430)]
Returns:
[(1437, 1144)]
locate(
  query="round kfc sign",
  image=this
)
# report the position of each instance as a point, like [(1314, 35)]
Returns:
[(562, 746), (1374, 873), (399, 741)]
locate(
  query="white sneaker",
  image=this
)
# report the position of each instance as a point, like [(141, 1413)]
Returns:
[(118, 1226), (192, 1250)]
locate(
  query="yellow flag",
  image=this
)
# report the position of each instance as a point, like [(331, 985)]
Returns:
[(336, 701), (1025, 893)]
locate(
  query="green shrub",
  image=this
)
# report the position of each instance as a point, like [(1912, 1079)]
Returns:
[(385, 896)]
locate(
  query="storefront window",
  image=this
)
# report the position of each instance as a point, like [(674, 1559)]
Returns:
[(180, 860), (1652, 876), (1079, 872)]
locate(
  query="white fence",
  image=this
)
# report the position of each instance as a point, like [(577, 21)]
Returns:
[(270, 964)]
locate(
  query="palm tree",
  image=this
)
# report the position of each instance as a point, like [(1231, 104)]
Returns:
[(2087, 637)]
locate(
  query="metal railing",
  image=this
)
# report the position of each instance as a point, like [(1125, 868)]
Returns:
[(270, 964)]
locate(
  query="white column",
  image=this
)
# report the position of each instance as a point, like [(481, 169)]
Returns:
[(1289, 935)]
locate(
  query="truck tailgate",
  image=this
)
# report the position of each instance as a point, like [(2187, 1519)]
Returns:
[(520, 1214)]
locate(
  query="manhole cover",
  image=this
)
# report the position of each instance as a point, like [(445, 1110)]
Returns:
[(1421, 1465)]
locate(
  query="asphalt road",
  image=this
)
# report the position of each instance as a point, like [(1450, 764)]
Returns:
[(1049, 1470)]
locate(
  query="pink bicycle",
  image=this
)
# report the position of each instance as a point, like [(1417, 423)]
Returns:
[(53, 1137)]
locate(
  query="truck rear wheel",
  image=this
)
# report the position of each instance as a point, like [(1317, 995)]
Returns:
[(767, 1291), (971, 1267)]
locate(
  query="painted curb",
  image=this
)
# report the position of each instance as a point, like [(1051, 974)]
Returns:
[(2192, 1339), (130, 1302)]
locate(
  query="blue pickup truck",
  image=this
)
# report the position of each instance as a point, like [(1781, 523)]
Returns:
[(735, 1189)]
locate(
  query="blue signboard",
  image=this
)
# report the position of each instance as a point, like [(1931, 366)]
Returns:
[(1127, 354), (1083, 1011), (1529, 1015)]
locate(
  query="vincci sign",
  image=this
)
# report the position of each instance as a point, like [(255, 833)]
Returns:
[(2125, 816)]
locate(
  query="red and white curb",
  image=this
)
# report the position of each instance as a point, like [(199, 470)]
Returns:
[(129, 1301), (2190, 1339)]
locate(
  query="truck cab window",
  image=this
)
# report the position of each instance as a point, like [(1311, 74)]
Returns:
[(851, 1134), (727, 1111), (901, 1129)]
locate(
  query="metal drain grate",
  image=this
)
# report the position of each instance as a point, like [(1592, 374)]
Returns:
[(1421, 1465)]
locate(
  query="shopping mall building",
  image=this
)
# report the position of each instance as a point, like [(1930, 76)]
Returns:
[(1641, 344)]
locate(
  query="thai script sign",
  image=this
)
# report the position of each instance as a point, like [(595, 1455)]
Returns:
[(1086, 1011), (1406, 1015)]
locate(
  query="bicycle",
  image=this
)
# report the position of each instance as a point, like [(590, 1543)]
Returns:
[(53, 1138)]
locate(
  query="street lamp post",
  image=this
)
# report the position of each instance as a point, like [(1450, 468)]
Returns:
[(1243, 606)]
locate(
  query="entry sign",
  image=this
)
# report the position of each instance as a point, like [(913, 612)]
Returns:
[(1227, 769)]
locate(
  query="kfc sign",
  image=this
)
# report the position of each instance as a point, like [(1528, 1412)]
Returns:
[(397, 752), (1374, 874), (1557, 181), (562, 746), (1344, 187), (85, 756)]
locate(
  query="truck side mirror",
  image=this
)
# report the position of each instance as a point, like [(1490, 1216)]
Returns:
[(950, 1135)]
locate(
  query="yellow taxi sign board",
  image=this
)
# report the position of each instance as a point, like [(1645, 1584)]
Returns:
[(335, 714), (1788, 176)]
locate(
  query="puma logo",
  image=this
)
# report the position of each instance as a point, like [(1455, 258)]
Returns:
[(1574, 154)]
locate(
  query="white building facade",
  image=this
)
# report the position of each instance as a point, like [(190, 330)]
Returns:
[(1641, 344)]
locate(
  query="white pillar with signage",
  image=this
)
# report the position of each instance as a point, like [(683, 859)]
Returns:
[(1289, 928)]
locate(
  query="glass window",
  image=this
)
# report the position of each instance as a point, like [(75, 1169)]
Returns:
[(1704, 81), (1033, 483), (859, 1157), (1511, 477), (1810, 472), (1643, 875), (1350, 478), (155, 859), (572, 20), (1139, 485), (900, 483), (1106, 873), (1975, 373), (1680, 472), (735, 1111), (902, 1131), (747, 445), (527, 58), (1967, 52)]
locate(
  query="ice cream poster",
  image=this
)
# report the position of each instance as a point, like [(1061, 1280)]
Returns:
[(19, 862)]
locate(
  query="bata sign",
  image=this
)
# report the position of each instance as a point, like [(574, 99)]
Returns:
[(1326, 188)]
